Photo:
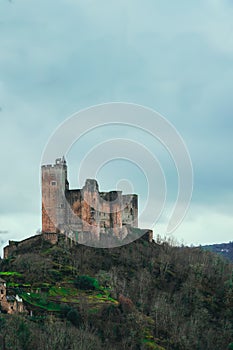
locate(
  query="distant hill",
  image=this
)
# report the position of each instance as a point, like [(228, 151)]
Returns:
[(224, 249), (141, 296)]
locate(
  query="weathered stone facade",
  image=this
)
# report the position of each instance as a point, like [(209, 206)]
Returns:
[(10, 304), (83, 210)]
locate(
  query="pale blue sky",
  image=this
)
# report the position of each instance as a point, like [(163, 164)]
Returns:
[(176, 57)]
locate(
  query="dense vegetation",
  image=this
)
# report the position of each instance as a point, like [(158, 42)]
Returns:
[(139, 296)]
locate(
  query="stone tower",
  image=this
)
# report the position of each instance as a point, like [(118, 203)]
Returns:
[(54, 185)]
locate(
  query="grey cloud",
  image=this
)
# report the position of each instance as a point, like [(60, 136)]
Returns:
[(174, 58)]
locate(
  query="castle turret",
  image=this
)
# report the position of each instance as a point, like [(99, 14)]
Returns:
[(54, 185)]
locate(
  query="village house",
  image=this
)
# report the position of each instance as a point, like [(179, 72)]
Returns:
[(9, 304)]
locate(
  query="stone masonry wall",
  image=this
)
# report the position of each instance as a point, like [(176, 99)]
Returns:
[(86, 209)]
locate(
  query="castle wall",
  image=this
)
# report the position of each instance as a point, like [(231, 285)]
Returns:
[(130, 212), (50, 237), (83, 210), (74, 210), (14, 245)]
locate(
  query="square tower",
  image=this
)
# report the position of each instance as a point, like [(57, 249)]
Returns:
[(54, 184)]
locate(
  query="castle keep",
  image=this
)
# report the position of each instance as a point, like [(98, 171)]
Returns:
[(85, 210)]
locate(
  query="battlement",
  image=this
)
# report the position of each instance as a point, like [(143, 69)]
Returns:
[(58, 163)]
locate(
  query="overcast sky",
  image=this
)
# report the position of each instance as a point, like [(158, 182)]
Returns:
[(176, 57)]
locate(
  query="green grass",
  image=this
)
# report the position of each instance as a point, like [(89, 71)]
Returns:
[(40, 301), (93, 311), (10, 273), (150, 344), (13, 284), (52, 299), (58, 291), (102, 298)]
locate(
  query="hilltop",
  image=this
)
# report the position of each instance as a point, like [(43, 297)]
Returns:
[(224, 249), (139, 296)]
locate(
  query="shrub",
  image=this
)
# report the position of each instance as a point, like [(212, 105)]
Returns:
[(86, 283), (74, 317), (65, 310), (126, 304)]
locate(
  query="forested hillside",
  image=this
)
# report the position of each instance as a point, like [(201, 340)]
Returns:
[(224, 249), (139, 296)]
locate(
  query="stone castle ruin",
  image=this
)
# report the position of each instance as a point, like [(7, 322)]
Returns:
[(85, 212), (85, 216)]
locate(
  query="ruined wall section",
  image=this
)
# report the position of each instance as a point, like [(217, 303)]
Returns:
[(93, 211), (112, 203), (130, 211), (13, 246), (83, 209), (74, 210), (90, 207)]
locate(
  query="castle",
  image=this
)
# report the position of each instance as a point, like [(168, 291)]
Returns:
[(87, 211), (85, 215)]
